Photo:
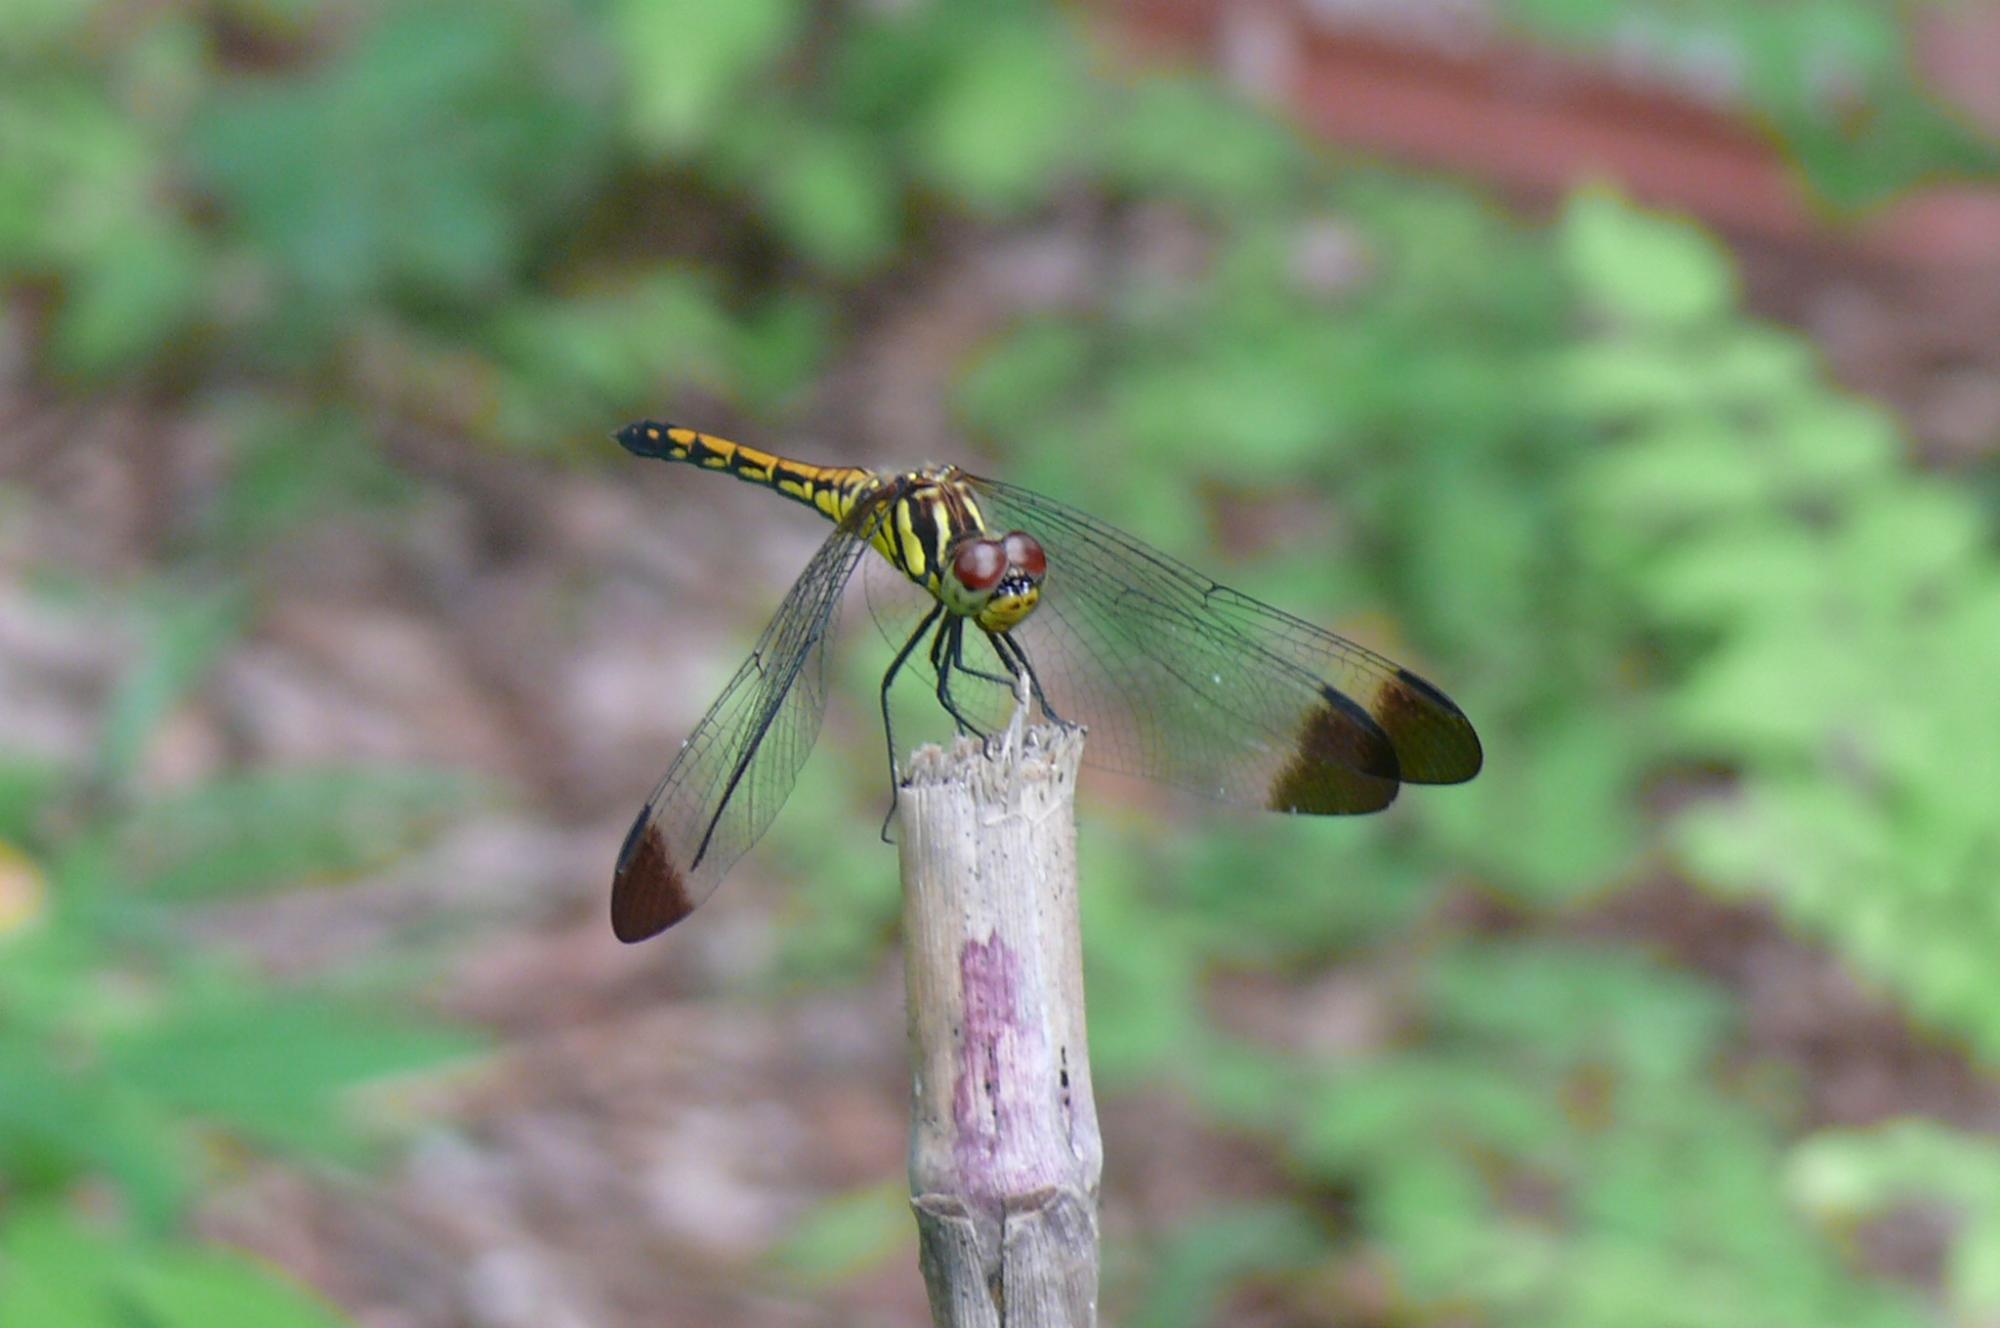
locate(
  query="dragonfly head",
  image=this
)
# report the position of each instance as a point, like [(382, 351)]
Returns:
[(996, 582)]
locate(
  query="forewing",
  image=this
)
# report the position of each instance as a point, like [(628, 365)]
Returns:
[(1187, 681), (738, 766)]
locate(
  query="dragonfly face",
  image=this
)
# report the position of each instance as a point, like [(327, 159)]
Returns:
[(1178, 678), (994, 582)]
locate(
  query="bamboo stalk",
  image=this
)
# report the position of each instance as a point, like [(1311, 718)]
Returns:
[(1004, 1150)]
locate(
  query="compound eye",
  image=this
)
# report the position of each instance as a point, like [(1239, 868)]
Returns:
[(979, 564), (1025, 552)]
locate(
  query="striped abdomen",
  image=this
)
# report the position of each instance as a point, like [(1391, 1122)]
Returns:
[(833, 491)]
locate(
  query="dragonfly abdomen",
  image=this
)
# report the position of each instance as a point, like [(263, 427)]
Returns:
[(830, 490)]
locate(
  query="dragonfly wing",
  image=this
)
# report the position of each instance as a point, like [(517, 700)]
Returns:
[(1193, 683), (738, 766), (1435, 743)]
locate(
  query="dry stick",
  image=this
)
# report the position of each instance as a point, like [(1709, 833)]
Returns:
[(1004, 1149)]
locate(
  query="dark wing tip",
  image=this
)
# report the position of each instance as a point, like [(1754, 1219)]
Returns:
[(646, 438), (1434, 740), (648, 892), (1343, 763)]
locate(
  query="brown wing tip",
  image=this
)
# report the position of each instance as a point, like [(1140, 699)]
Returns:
[(1343, 763), (648, 892), (1434, 739)]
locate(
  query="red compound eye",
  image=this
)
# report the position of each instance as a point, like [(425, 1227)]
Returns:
[(979, 564), (1025, 552)]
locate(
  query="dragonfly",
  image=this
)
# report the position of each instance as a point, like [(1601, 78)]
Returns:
[(1176, 677)]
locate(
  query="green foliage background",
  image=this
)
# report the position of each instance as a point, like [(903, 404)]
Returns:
[(1639, 534)]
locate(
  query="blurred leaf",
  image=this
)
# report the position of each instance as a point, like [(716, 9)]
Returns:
[(27, 790), (1737, 575), (73, 172), (60, 1126), (1750, 369), (1204, 1256), (1029, 372), (783, 345), (1834, 80), (278, 828), (1973, 1276), (1377, 1115), (833, 195), (1845, 1175), (58, 1272), (53, 1274), (1244, 1086), (199, 1289), (1913, 534), (846, 1235), (35, 27), (599, 354), (1184, 136), (1575, 1007), (1613, 383), (1561, 1159), (273, 1068), (1247, 406), (1002, 120), (1643, 269), (421, 161), (294, 465), (1566, 824), (187, 634), (1139, 966), (134, 300), (1672, 477), (829, 837), (686, 61), (1865, 154), (1321, 887)]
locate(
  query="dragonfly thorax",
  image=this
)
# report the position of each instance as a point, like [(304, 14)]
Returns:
[(932, 529)]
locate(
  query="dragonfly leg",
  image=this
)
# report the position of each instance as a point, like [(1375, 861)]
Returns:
[(888, 728), (1015, 657), (946, 650), (958, 662)]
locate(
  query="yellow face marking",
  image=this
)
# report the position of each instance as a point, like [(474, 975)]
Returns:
[(1004, 612)]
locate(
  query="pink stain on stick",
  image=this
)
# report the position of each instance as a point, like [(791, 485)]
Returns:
[(1007, 1101)]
